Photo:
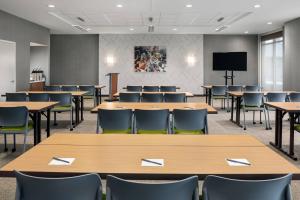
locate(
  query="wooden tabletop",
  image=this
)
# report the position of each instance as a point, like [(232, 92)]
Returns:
[(74, 93), (239, 94), (188, 94), (92, 139), (126, 161), (207, 86), (99, 86), (31, 106), (156, 86), (285, 106), (153, 106)]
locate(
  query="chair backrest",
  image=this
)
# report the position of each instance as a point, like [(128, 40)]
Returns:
[(168, 88), (151, 88), (192, 120), (252, 88), (134, 88), (152, 119), (219, 188), (119, 189), (38, 97), (175, 97), (52, 88), (253, 99), (148, 97), (69, 88), (218, 90), (294, 97), (13, 116), (235, 88), (276, 97), (84, 187), (88, 88), (130, 97), (16, 96), (115, 119), (64, 99)]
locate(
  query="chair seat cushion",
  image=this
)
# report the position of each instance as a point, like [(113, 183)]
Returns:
[(117, 131), (188, 132), (151, 132), (88, 97), (219, 97), (61, 108), (16, 128), (297, 128)]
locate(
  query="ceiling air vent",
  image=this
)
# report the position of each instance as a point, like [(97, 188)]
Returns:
[(220, 19), (221, 28), (80, 28), (80, 19)]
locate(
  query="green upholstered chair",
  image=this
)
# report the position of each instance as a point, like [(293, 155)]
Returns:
[(232, 88), (65, 105), (168, 88), (130, 97), (69, 88), (189, 121), (134, 88), (17, 96), (114, 121), (14, 120), (252, 88), (175, 97), (39, 97), (149, 97), (52, 88), (218, 92), (91, 92), (151, 88)]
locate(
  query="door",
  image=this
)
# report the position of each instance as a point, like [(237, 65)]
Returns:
[(7, 67)]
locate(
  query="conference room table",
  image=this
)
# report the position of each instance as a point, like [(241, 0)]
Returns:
[(36, 109), (153, 106), (237, 97), (293, 108), (78, 101), (122, 155)]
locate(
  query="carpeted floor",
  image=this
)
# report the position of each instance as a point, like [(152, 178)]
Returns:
[(218, 124)]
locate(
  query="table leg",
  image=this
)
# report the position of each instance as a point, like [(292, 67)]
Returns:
[(209, 96), (292, 121), (100, 95), (279, 131), (81, 107), (37, 128), (206, 95), (232, 107), (97, 96), (77, 105), (48, 122)]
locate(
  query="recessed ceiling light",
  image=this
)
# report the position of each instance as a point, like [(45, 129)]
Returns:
[(174, 29), (119, 6), (246, 32), (269, 23), (131, 29), (51, 6), (188, 5), (257, 6)]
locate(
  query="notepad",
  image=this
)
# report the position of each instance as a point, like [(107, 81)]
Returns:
[(58, 162), (239, 162), (147, 162)]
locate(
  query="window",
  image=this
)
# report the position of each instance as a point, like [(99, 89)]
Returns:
[(272, 64)]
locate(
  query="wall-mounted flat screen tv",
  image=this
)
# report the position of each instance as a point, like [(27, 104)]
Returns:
[(231, 61)]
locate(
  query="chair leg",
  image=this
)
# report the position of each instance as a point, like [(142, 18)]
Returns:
[(71, 120), (260, 117), (55, 123), (24, 145), (5, 143), (268, 118), (244, 119), (254, 117), (14, 149), (265, 114)]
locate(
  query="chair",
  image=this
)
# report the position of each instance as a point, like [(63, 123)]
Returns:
[(52, 88), (294, 97), (91, 92), (168, 88), (16, 96), (65, 105), (232, 88), (219, 188), (115, 121), (14, 120), (151, 88), (175, 97), (274, 97), (148, 97), (252, 88), (219, 92), (151, 121), (119, 189), (38, 97), (190, 121), (133, 88), (253, 102), (69, 88), (130, 97), (83, 187)]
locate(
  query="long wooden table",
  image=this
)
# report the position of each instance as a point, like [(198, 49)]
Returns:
[(187, 94), (123, 158), (292, 108), (36, 108), (144, 105)]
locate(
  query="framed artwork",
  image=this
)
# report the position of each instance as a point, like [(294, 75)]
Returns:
[(150, 59)]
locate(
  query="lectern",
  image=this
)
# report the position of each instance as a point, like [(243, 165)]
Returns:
[(113, 85)]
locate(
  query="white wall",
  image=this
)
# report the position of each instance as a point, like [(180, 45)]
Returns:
[(179, 73), (39, 57)]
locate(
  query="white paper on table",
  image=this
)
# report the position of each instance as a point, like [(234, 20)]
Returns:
[(149, 164), (235, 164), (58, 162)]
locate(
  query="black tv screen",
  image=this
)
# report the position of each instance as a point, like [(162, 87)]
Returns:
[(231, 61)]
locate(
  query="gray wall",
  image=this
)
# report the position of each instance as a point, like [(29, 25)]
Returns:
[(227, 43), (22, 32), (74, 59), (39, 57), (291, 70), (178, 71)]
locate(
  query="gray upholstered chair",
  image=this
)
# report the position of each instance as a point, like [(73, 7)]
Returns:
[(151, 88), (130, 97), (274, 97), (134, 88), (69, 88), (219, 92), (232, 88), (252, 88), (175, 97), (18, 96), (119, 189), (83, 187), (168, 88), (91, 92), (219, 188), (149, 97), (38, 97), (52, 88)]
